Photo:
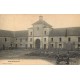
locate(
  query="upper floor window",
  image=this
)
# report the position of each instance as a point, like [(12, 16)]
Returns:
[(5, 39), (26, 39), (31, 33), (37, 28), (30, 39), (69, 39), (78, 39), (45, 32), (51, 39), (60, 39), (21, 40), (44, 39), (52, 45)]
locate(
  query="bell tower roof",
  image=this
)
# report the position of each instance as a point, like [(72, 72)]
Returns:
[(41, 21)]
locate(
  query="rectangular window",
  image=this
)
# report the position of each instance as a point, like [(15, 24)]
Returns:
[(51, 39), (44, 46), (69, 39), (45, 39), (37, 28), (31, 33), (5, 39), (20, 44), (11, 45), (78, 45), (60, 45), (31, 46), (78, 39), (30, 39), (52, 45), (26, 46), (21, 40), (45, 32), (60, 39), (26, 39)]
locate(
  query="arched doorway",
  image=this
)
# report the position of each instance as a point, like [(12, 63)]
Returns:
[(37, 43)]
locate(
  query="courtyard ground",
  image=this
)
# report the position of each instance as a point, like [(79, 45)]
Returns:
[(19, 57)]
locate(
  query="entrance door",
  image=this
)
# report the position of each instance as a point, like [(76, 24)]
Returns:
[(37, 44)]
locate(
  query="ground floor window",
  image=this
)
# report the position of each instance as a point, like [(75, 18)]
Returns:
[(31, 46), (3, 46), (52, 45), (26, 46), (60, 45), (16, 45), (11, 45), (20, 44), (44, 46), (78, 45)]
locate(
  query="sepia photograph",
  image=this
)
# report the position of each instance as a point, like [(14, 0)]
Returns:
[(40, 39)]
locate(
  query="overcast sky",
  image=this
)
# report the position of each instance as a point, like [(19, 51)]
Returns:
[(22, 22)]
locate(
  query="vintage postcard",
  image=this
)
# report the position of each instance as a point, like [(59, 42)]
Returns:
[(47, 39)]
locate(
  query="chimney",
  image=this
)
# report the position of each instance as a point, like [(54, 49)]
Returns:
[(40, 18)]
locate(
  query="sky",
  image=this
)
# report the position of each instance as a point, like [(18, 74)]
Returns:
[(16, 22)]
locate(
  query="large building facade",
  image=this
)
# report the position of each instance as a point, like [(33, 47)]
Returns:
[(41, 36)]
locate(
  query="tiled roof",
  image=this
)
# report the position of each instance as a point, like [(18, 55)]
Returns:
[(55, 32), (23, 33), (65, 32), (5, 33), (73, 31)]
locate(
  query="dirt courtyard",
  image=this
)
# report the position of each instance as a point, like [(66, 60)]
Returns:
[(19, 57)]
